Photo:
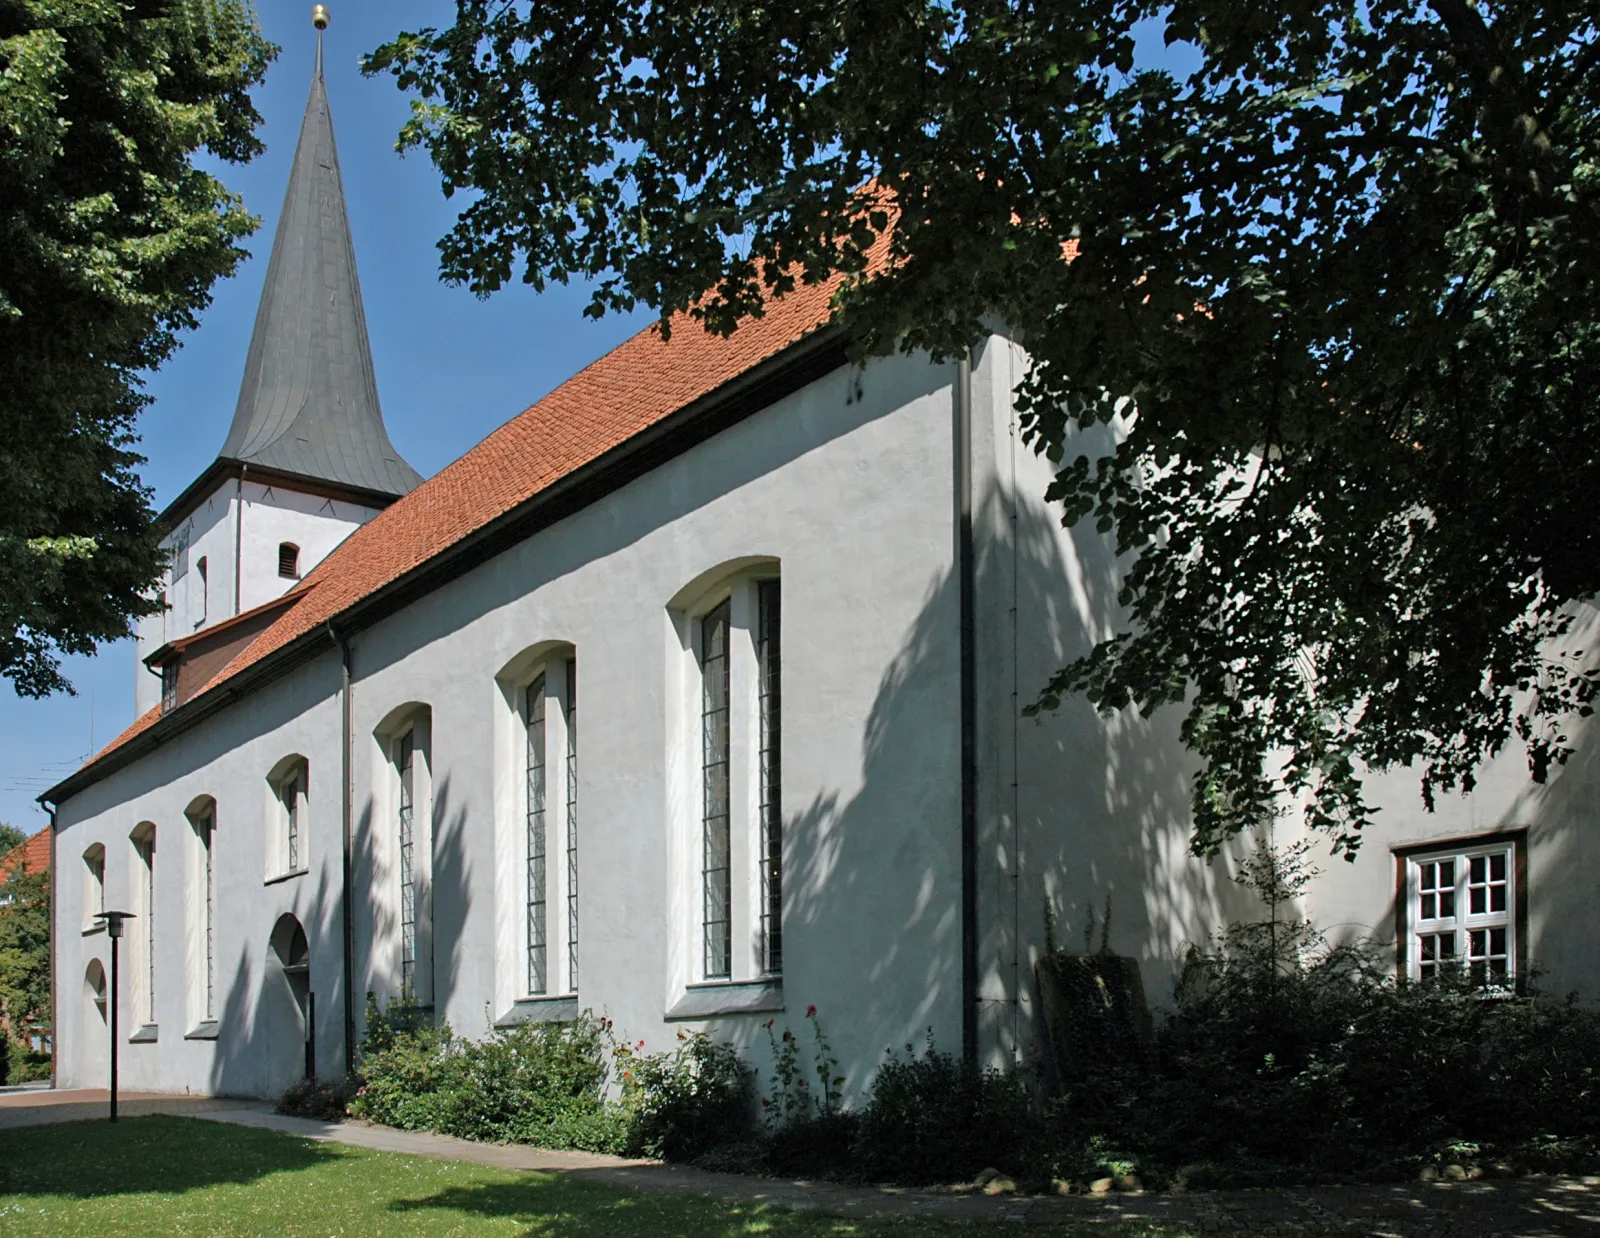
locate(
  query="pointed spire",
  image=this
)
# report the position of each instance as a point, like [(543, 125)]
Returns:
[(309, 401)]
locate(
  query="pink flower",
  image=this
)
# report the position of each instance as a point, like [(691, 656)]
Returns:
[(641, 1044), (769, 1024), (811, 1012), (765, 1103)]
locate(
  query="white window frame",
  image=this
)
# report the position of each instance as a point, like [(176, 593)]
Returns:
[(557, 675), (143, 884), (288, 818), (1433, 908), (202, 900), (94, 887), (749, 796)]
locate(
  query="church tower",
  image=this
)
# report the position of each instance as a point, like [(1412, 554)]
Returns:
[(307, 459)]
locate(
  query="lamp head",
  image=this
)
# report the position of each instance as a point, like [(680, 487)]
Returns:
[(114, 921), (319, 16)]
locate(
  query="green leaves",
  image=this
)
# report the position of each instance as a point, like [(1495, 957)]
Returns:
[(110, 241), (1334, 283)]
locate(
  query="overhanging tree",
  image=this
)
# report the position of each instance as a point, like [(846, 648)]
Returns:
[(110, 241), (1334, 287)]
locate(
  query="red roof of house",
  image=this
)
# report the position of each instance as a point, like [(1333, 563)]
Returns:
[(32, 856), (630, 389)]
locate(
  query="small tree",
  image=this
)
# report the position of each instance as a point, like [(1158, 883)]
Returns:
[(24, 954)]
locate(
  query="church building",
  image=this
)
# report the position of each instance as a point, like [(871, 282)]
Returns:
[(801, 604)]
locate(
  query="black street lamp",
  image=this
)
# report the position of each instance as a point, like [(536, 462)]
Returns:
[(114, 921)]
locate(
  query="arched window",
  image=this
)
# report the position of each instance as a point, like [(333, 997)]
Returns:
[(536, 826), (731, 623), (202, 814), (289, 560), (405, 741), (94, 886), (94, 987), (289, 803), (143, 889), (205, 588)]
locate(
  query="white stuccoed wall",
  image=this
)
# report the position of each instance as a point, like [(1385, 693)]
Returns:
[(847, 484), (271, 515)]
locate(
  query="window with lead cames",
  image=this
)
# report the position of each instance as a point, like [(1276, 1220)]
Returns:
[(1462, 915)]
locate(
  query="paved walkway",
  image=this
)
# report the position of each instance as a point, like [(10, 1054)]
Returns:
[(1513, 1208)]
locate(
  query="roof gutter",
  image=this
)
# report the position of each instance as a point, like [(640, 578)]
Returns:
[(757, 388)]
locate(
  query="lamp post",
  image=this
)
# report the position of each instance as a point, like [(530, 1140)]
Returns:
[(114, 921)]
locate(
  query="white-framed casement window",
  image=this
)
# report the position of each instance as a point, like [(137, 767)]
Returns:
[(142, 886), (288, 817), (1462, 905), (734, 848), (550, 828), (202, 904), (403, 846), (94, 886)]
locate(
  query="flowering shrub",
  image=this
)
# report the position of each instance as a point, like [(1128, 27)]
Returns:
[(792, 1097), (682, 1103)]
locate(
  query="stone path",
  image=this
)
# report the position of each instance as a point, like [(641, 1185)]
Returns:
[(1512, 1208)]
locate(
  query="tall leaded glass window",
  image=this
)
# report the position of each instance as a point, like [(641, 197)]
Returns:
[(770, 826), (716, 867), (405, 759), (207, 827), (147, 852), (534, 718), (572, 825), (294, 793)]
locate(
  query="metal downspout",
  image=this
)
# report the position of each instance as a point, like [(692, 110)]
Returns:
[(55, 970), (346, 908), (969, 713)]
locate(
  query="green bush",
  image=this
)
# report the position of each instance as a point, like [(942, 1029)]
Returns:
[(686, 1102), (541, 1084), (931, 1118), (1305, 1061), (548, 1085)]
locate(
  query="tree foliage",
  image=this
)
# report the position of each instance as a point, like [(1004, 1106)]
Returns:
[(1333, 292), (110, 241), (25, 948)]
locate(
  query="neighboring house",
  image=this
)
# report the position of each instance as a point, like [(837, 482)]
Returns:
[(801, 604), (31, 857)]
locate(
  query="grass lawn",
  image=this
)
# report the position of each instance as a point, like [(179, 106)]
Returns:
[(182, 1176)]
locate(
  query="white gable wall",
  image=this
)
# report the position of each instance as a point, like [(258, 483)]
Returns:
[(270, 516)]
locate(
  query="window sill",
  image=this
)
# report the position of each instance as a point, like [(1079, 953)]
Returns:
[(202, 1031), (540, 1010), (145, 1035), (288, 876), (702, 1001)]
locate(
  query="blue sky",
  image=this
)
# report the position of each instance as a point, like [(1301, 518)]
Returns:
[(450, 367)]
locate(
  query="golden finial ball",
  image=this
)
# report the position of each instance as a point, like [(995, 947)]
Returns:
[(319, 16)]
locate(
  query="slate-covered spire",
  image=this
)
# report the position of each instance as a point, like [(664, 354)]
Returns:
[(309, 401)]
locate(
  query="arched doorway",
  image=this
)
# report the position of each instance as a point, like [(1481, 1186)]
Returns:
[(294, 1031)]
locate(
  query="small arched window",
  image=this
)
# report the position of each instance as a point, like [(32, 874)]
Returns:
[(289, 560), (94, 886), (291, 785)]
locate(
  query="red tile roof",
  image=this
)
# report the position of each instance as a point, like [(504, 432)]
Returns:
[(631, 388), (32, 856)]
